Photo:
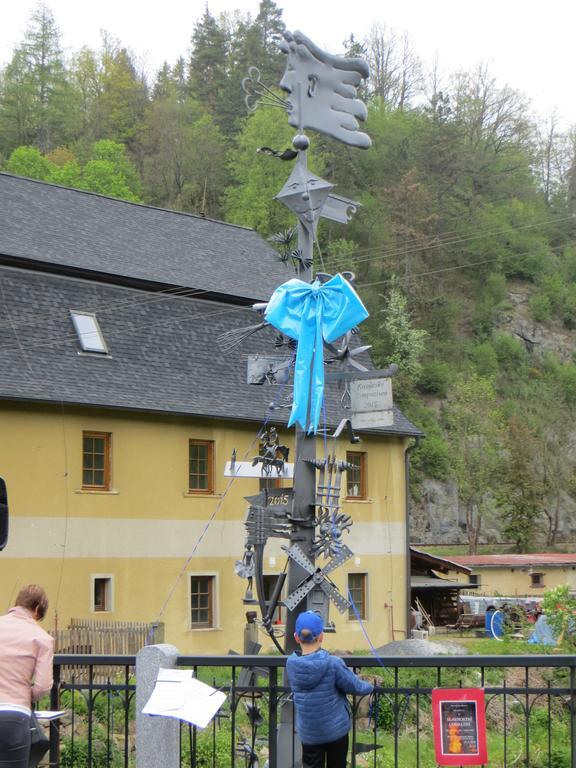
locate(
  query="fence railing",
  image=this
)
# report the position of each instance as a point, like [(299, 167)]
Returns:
[(530, 711)]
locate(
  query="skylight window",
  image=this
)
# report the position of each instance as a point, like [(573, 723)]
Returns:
[(88, 332)]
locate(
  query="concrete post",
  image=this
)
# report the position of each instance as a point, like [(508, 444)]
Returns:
[(157, 738)]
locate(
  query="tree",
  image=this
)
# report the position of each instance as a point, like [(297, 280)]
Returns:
[(395, 70), (110, 172), (400, 343), (473, 430), (258, 177), (207, 67), (185, 167), (37, 102), (521, 487), (30, 162)]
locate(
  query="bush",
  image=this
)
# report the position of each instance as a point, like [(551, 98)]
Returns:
[(511, 354), (432, 457), (435, 378), (569, 308), (483, 357), (540, 307)]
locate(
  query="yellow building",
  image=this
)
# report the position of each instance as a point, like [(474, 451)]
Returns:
[(528, 575), (119, 410)]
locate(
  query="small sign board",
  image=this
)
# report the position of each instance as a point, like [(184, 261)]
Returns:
[(459, 726), (247, 469), (268, 369), (371, 401)]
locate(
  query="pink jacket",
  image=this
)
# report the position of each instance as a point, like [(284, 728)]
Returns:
[(26, 655)]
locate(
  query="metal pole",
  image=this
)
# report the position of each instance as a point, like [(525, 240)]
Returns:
[(304, 472)]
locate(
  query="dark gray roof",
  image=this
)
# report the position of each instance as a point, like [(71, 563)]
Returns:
[(163, 352), (72, 229)]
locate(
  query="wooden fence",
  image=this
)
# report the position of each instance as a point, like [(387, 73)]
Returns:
[(103, 637)]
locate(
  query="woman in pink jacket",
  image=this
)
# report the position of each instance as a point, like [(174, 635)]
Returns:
[(26, 655)]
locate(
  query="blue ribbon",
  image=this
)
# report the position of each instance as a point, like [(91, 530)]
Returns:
[(311, 313)]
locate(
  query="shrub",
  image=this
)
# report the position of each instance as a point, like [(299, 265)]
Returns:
[(540, 307), (511, 354), (435, 378), (484, 359), (432, 457)]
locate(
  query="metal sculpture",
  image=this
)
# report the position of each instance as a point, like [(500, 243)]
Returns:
[(321, 94), (322, 90), (273, 455), (317, 578)]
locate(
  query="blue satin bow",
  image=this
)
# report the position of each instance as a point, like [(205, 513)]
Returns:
[(310, 313)]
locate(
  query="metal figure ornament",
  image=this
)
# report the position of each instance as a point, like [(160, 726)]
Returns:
[(273, 455)]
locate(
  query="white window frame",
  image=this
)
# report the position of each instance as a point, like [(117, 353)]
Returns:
[(98, 345), (215, 598), (111, 590)]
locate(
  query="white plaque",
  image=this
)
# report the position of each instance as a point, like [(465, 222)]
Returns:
[(371, 403)]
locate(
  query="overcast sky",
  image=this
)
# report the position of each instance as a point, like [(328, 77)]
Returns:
[(528, 44)]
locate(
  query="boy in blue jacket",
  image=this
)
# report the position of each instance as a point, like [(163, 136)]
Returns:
[(319, 685)]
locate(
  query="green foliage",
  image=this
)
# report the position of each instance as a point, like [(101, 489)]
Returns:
[(511, 353), (29, 161), (484, 359), (435, 378), (540, 307), (559, 606), (258, 177), (400, 342)]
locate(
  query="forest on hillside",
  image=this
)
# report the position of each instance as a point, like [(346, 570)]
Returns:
[(466, 199)]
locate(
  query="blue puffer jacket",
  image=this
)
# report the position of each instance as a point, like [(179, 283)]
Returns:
[(319, 685)]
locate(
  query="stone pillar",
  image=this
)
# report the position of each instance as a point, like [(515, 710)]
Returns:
[(157, 738)]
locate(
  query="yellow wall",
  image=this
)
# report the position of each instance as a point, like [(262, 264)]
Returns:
[(143, 532), (516, 581)]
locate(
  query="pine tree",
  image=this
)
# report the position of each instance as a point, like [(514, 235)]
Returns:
[(207, 65), (37, 102)]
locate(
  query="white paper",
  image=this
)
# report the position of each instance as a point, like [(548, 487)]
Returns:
[(170, 690), (184, 698), (49, 714)]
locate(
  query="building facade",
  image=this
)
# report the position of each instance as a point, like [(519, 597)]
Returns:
[(119, 410), (522, 575)]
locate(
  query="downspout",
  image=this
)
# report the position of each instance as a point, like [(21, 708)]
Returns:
[(407, 452)]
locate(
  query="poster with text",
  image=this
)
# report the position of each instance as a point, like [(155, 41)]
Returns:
[(459, 726)]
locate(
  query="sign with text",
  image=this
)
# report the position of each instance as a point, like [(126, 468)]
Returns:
[(371, 401), (459, 726)]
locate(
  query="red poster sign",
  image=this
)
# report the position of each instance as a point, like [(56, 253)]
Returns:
[(459, 726)]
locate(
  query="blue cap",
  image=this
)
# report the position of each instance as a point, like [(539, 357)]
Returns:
[(309, 626)]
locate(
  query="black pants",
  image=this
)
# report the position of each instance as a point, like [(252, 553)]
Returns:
[(329, 755), (14, 740)]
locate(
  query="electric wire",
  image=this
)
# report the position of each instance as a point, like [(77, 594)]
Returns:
[(339, 262), (47, 341), (211, 518), (402, 250)]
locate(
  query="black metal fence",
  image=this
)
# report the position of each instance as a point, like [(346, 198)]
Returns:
[(530, 711)]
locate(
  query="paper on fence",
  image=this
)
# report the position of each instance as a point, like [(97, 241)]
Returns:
[(169, 691), (184, 698)]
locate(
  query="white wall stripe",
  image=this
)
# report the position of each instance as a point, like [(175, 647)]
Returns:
[(43, 537)]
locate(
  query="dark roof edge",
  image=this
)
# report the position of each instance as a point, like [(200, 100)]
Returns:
[(126, 202), (157, 412), (124, 281)]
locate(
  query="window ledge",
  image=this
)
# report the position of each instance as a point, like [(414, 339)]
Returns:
[(188, 495), (205, 629), (355, 500), (96, 492)]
